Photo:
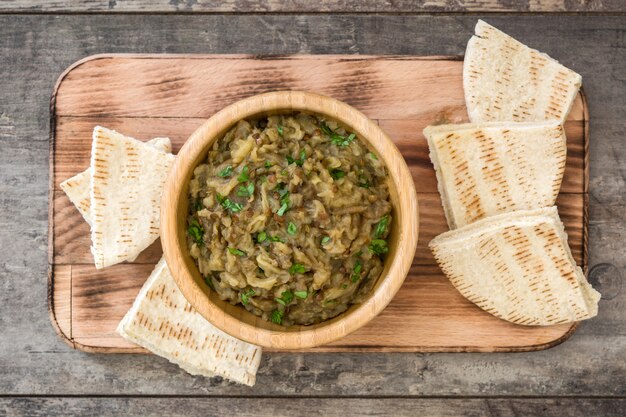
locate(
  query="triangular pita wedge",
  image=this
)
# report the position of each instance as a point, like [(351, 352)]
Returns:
[(518, 267), (162, 321), (126, 186), (504, 79), (492, 168), (77, 187)]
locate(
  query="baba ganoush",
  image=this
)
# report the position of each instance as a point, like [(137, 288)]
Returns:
[(289, 217)]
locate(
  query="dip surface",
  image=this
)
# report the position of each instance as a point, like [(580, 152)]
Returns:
[(289, 217)]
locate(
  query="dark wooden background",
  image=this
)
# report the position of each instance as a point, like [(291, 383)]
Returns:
[(40, 375)]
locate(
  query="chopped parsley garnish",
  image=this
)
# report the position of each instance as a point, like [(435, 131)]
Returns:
[(378, 246), (292, 229), (285, 298), (283, 209), (299, 161), (337, 173), (226, 172), (277, 317), (284, 199), (209, 282), (245, 296), (246, 190), (276, 239), (356, 271), (261, 237), (235, 251), (301, 294), (381, 227), (344, 286), (280, 129), (268, 164), (336, 138), (325, 240), (196, 231), (297, 269), (243, 175), (329, 301), (372, 155), (228, 204)]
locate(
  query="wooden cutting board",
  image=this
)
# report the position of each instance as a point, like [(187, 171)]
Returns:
[(145, 96)]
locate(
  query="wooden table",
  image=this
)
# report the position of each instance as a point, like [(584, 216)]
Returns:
[(39, 374)]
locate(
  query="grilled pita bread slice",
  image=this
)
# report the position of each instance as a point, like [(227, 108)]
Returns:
[(77, 188), (126, 186), (492, 168), (504, 79), (518, 267), (162, 321)]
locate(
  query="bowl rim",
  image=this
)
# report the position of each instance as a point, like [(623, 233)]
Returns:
[(330, 330)]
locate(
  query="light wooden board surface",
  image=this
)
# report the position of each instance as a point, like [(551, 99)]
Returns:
[(147, 96)]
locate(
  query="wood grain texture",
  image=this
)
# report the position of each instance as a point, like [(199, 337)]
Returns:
[(401, 93), (36, 362), (328, 407), (305, 6)]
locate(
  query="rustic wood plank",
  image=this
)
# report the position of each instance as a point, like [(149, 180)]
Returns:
[(72, 236), (36, 362), (427, 314), (377, 86), (328, 407), (73, 152), (305, 6)]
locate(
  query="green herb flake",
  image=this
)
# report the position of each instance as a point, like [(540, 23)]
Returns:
[(198, 204), (196, 231), (378, 246), (244, 174), (337, 173), (228, 204), (245, 296), (268, 164), (344, 286), (283, 209), (301, 294), (246, 190), (276, 239), (336, 138), (261, 237), (381, 227), (297, 269), (325, 240), (277, 317), (235, 251), (329, 301), (209, 282), (356, 271), (280, 129), (372, 155), (226, 172), (292, 229), (285, 298)]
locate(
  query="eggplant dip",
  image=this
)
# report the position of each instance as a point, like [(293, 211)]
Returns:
[(289, 217)]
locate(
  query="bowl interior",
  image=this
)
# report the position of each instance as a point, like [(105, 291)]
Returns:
[(237, 321)]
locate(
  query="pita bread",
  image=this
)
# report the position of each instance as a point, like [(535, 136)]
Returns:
[(162, 321), (126, 186), (492, 168), (77, 187), (518, 267), (506, 80)]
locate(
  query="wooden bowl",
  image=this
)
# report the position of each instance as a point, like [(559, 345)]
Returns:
[(235, 320)]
